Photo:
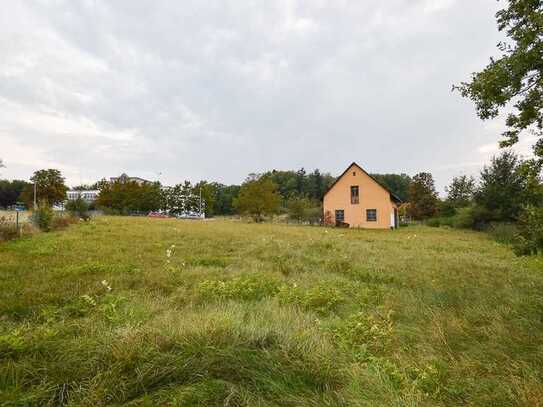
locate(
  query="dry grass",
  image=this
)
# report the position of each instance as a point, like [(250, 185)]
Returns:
[(168, 312)]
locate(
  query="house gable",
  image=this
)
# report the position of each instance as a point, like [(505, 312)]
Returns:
[(354, 165)]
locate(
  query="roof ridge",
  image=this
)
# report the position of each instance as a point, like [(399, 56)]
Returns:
[(392, 194)]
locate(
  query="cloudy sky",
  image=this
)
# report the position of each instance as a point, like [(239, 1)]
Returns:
[(219, 89)]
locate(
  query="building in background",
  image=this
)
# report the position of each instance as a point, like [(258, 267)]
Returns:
[(124, 178), (88, 196), (356, 199)]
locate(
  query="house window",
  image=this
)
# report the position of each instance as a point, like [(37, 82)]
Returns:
[(354, 173), (354, 194), (371, 215), (340, 215)]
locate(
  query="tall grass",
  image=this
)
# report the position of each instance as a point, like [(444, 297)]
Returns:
[(136, 311)]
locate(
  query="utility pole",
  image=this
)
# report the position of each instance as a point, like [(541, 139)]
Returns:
[(200, 201), (35, 203)]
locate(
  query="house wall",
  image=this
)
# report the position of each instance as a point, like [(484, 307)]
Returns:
[(371, 196)]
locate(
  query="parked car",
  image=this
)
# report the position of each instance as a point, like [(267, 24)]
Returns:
[(158, 215)]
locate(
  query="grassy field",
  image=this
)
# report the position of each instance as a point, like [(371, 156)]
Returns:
[(144, 311)]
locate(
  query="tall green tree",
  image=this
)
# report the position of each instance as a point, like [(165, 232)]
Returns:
[(300, 184), (502, 188), (258, 197), (516, 76), (460, 191), (130, 197), (224, 199), (50, 188), (423, 198), (300, 181), (316, 185)]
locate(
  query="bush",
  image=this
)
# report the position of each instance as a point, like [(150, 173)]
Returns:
[(434, 222), (437, 222), (78, 208), (464, 218), (61, 222), (321, 299), (244, 288), (313, 215), (304, 210), (503, 232), (446, 208), (42, 217), (529, 240)]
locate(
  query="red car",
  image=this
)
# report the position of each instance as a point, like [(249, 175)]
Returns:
[(158, 215)]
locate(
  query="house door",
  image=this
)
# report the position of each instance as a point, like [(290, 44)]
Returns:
[(394, 219)]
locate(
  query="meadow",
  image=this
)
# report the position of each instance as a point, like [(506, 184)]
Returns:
[(138, 311)]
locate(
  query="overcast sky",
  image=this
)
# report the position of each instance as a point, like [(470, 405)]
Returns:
[(219, 89)]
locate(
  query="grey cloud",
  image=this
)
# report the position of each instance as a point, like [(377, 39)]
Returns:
[(217, 90)]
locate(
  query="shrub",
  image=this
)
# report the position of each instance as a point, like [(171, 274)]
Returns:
[(446, 208), (482, 216), (42, 217), (313, 215), (365, 332), (322, 298), (464, 218), (530, 232), (503, 232), (78, 208), (304, 210), (61, 222), (434, 222), (437, 222), (448, 221), (238, 288)]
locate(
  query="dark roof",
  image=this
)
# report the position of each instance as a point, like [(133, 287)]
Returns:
[(393, 196)]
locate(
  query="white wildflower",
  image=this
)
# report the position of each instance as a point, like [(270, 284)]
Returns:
[(106, 285)]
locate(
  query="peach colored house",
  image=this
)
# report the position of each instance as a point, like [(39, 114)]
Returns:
[(357, 199)]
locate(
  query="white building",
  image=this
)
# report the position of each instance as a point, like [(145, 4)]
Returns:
[(87, 195)]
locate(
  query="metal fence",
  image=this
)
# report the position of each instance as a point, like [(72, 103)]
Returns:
[(15, 216)]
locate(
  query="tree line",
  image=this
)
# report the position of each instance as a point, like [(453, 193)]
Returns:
[(508, 190)]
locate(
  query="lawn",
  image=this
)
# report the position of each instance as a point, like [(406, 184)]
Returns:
[(144, 311)]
